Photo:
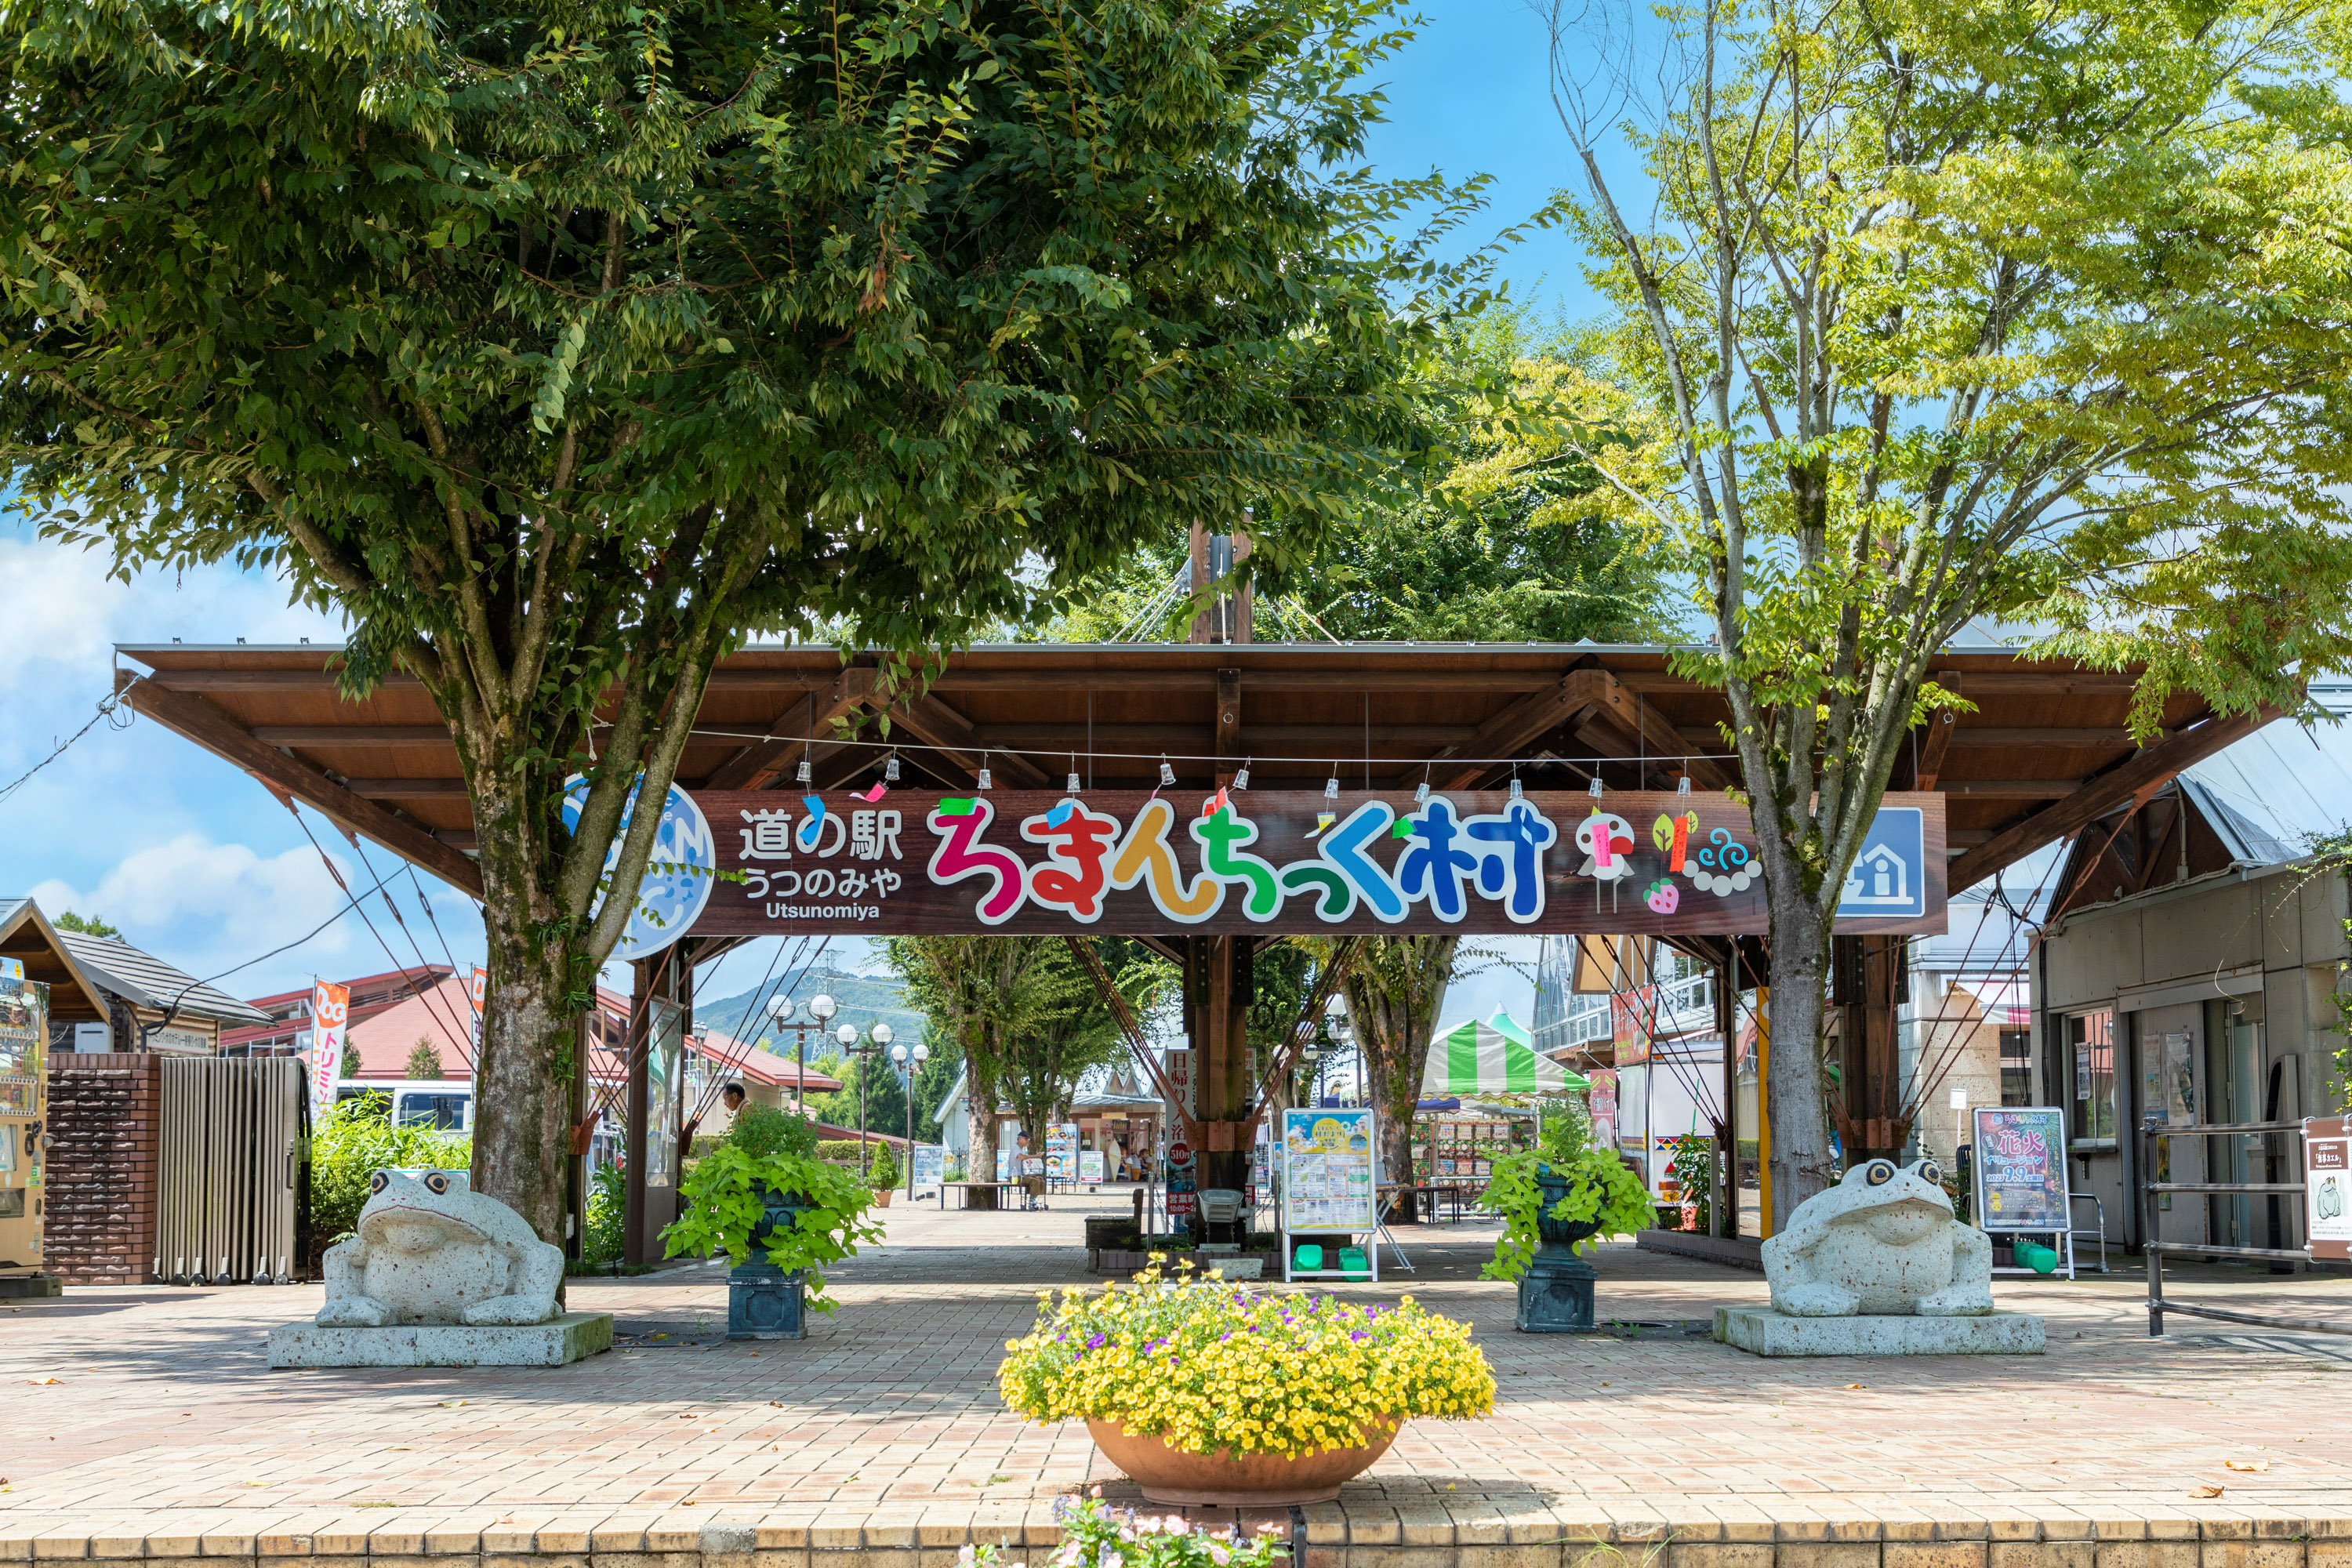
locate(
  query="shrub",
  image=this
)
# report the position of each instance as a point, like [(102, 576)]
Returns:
[(608, 1211), (1096, 1535), (768, 1148), (885, 1172), (354, 1140), (761, 1131), (1601, 1189), (1215, 1368)]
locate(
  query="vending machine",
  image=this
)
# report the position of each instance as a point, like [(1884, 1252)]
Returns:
[(24, 1093)]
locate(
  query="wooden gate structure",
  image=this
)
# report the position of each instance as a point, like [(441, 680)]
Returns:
[(2041, 754)]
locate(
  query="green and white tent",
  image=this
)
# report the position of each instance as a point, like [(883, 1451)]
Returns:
[(1474, 1058)]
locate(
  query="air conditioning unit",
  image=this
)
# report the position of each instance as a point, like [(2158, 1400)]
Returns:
[(92, 1038)]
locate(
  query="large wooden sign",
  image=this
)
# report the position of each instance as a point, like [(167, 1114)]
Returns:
[(1275, 863)]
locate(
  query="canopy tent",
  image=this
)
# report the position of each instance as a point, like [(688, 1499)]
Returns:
[(1482, 1058)]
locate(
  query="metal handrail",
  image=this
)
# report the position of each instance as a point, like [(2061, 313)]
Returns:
[(2154, 1250)]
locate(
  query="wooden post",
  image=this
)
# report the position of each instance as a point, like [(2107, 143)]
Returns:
[(633, 1153)]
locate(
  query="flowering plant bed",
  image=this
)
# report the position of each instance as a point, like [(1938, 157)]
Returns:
[(1095, 1535), (1217, 1369)]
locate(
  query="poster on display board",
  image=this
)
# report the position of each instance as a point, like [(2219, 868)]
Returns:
[(931, 1164), (1062, 1151), (1329, 1170), (1183, 1183), (2020, 1168), (1090, 1165), (2328, 1186)]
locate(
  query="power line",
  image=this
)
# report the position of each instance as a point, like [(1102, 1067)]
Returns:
[(106, 708)]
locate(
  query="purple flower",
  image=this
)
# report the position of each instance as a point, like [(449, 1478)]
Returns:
[(1095, 1343), (1359, 1336)]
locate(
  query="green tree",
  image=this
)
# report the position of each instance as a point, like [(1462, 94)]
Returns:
[(980, 993), (424, 1060), (352, 1060), (1937, 312), (89, 925), (1072, 1029), (1481, 548), (562, 345)]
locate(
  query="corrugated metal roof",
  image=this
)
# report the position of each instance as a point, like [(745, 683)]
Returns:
[(2280, 786), (152, 983)]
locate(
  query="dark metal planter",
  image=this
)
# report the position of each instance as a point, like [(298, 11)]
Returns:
[(763, 1302), (1556, 1292)]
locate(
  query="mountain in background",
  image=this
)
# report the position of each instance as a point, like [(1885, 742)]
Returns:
[(865, 1000)]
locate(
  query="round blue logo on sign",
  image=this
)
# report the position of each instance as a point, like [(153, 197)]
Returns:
[(679, 873)]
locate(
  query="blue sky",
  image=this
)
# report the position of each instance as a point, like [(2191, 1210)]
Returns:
[(200, 865)]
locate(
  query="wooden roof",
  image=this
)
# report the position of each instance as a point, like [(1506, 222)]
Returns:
[(2044, 752)]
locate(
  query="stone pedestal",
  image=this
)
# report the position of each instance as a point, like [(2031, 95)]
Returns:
[(1763, 1332), (1556, 1296), (763, 1302), (574, 1336)]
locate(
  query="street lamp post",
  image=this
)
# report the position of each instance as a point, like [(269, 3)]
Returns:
[(898, 1054), (879, 1038), (821, 1009)]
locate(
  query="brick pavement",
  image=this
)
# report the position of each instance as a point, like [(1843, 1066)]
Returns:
[(165, 1434)]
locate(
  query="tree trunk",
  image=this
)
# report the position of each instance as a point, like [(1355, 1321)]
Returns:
[(522, 1075), (1394, 993), (1801, 1162), (980, 1157)]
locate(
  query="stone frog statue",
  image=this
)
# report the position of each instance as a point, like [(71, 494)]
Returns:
[(1883, 1240), (430, 1249)]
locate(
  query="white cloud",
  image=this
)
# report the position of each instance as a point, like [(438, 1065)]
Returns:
[(204, 907)]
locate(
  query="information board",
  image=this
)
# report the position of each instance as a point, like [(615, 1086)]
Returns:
[(1090, 1165), (1062, 1151), (931, 1164), (2328, 1186), (2020, 1168), (1328, 1169)]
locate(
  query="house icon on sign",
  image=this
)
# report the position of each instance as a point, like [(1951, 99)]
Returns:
[(1879, 876)]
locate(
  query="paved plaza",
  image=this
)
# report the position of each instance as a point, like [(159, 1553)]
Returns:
[(144, 1422)]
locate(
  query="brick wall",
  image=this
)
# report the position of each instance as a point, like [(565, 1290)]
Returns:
[(104, 1125)]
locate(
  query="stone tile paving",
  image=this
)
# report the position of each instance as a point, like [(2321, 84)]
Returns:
[(163, 1422)]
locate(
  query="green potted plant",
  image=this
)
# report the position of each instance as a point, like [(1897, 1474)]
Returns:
[(1555, 1198), (1230, 1395), (763, 1198), (883, 1175)]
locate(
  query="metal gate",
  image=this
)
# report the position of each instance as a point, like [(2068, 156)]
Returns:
[(226, 1170), (2157, 1251)]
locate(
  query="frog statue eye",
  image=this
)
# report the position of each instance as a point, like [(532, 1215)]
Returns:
[(380, 1181), (1881, 1173), (437, 1182), (1930, 1172)]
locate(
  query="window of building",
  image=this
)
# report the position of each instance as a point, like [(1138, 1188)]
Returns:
[(2090, 1052), (2016, 1066)]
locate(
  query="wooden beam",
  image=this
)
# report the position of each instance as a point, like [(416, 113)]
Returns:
[(324, 680), (1508, 731), (405, 789), (352, 735), (1229, 722), (198, 720), (758, 764), (2039, 739), (955, 741), (2010, 789), (1940, 725), (2153, 766)]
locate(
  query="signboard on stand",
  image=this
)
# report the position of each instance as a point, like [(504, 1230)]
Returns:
[(2328, 1186), (1183, 1184), (1062, 1151), (1330, 1167), (931, 1164), (2019, 1174)]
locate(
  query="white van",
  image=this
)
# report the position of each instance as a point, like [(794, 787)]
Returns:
[(445, 1105)]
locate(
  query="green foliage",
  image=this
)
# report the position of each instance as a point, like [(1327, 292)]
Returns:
[(1600, 1188), (885, 1172), (353, 1062), (1939, 314), (424, 1060), (350, 1142), (723, 1194), (562, 346), (761, 1131), (608, 1211), (1482, 548), (87, 925)]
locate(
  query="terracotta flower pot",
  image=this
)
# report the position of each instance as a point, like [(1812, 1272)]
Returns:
[(1251, 1480), (882, 1195)]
